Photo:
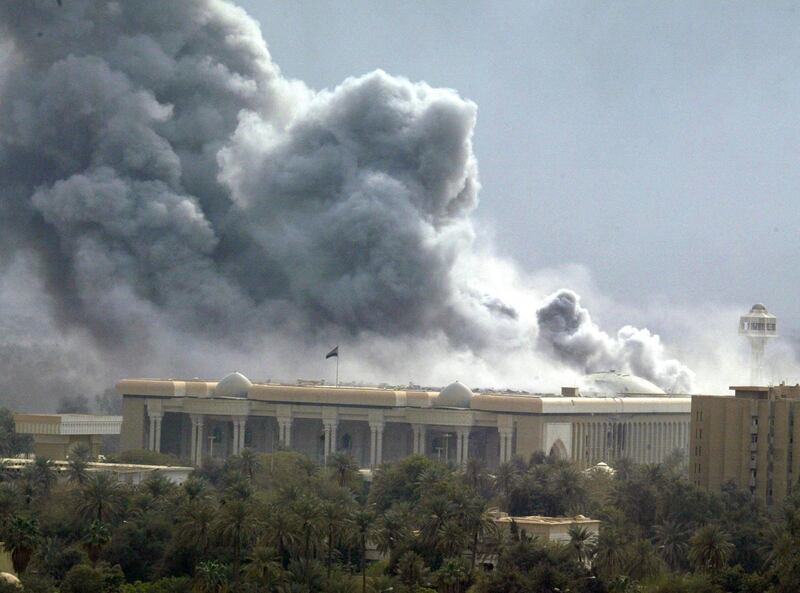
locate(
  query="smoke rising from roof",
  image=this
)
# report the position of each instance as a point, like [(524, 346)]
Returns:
[(567, 332), (176, 189)]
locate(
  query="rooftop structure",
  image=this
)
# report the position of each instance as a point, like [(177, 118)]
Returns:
[(758, 326)]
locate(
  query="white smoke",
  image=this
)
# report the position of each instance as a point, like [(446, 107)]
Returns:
[(189, 205)]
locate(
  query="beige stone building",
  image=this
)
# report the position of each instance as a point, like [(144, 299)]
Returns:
[(197, 419), (748, 439), (551, 529), (54, 435)]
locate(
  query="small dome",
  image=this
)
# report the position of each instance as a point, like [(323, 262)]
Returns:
[(233, 385), (10, 579), (455, 395), (758, 307)]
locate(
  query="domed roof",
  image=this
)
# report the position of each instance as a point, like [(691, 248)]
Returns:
[(613, 383), (233, 385), (455, 395), (7, 577), (758, 307)]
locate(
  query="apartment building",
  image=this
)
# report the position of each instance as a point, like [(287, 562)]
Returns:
[(748, 439)]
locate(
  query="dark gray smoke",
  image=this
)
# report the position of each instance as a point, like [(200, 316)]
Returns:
[(567, 332), (167, 176)]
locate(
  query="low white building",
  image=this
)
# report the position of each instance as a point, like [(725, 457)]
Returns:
[(55, 435), (127, 473)]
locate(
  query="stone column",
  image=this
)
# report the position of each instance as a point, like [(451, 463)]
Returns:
[(462, 448), (638, 445), (235, 440), (197, 438), (419, 438), (330, 437), (242, 432), (155, 431), (239, 423), (334, 437), (376, 443), (506, 434), (285, 431)]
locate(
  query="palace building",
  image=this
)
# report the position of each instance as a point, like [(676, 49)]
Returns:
[(196, 419)]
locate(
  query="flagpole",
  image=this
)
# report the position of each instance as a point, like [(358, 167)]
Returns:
[(337, 369)]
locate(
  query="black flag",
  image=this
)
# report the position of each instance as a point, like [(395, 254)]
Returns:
[(332, 353)]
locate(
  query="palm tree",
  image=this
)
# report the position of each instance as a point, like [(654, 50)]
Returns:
[(248, 461), (610, 556), (264, 566), (392, 529), (479, 521), (670, 540), (411, 570), (195, 488), (475, 473), (308, 512), (643, 563), (157, 486), (336, 514), (96, 537), (451, 538), (451, 576), (210, 577), (281, 527), (77, 470), (581, 540), (193, 523), (41, 475), (710, 549), (344, 470), (20, 538), (235, 531), (505, 479), (439, 510), (100, 498), (363, 520), (78, 464)]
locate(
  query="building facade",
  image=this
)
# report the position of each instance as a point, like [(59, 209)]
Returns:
[(748, 439), (197, 419), (55, 435)]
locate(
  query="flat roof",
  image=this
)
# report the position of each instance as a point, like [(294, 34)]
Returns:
[(385, 397), (61, 465), (544, 520)]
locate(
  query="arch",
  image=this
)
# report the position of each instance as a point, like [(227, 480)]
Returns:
[(558, 450)]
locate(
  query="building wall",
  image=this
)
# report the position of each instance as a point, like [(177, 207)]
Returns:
[(134, 427), (747, 440)]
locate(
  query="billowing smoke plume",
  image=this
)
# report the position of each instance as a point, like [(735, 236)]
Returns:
[(566, 331), (170, 179)]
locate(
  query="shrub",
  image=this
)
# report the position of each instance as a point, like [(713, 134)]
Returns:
[(166, 585), (82, 579)]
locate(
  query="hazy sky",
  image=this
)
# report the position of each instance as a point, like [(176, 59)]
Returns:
[(654, 143)]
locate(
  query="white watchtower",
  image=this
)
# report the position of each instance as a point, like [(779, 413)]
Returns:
[(757, 326)]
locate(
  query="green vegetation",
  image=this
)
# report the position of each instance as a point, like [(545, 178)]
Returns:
[(280, 523)]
